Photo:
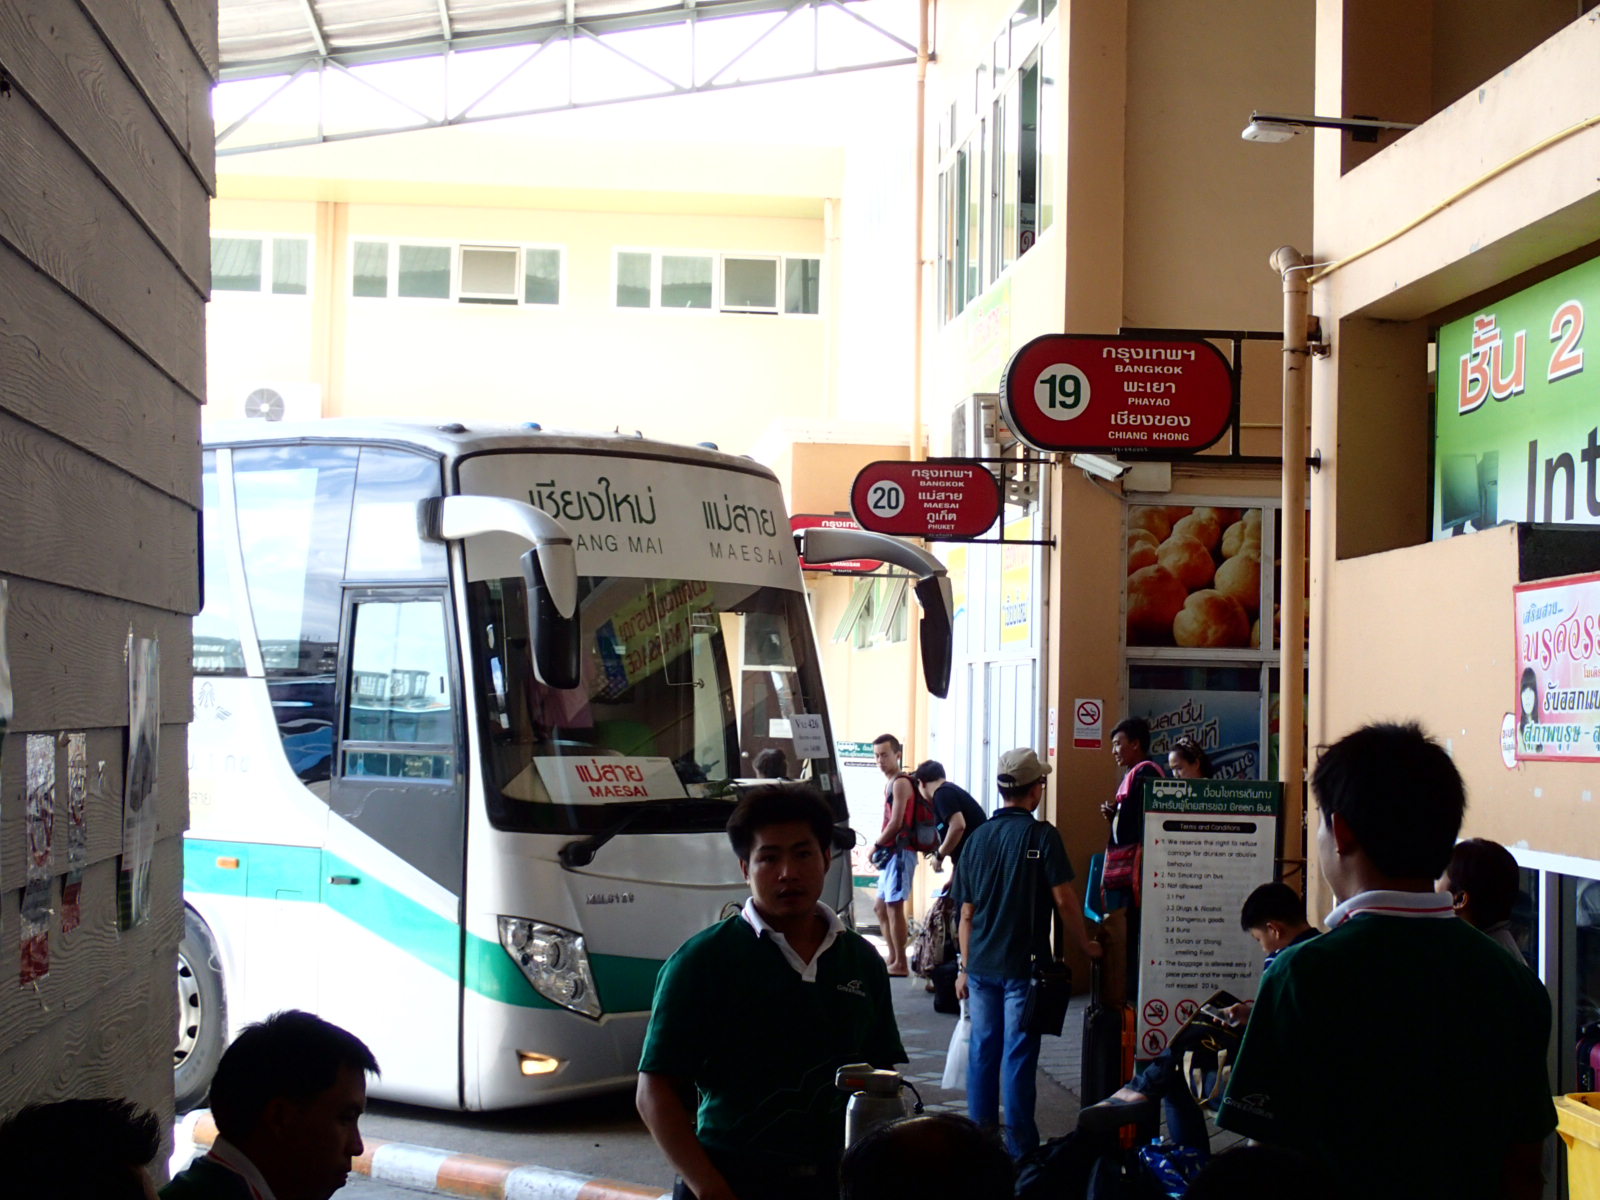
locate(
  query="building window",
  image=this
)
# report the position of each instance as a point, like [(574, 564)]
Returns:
[(468, 274), (685, 281), (423, 272), (802, 285), (633, 279), (750, 285), (998, 174), (732, 283), (541, 275), (371, 269), (276, 265), (489, 274), (876, 613)]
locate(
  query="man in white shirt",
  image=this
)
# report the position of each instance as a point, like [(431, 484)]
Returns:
[(287, 1100)]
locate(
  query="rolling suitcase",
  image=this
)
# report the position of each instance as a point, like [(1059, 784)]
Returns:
[(1103, 1040)]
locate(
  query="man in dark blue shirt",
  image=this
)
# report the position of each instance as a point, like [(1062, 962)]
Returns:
[(1013, 872), (958, 813)]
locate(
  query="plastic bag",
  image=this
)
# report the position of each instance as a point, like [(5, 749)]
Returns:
[(955, 1060)]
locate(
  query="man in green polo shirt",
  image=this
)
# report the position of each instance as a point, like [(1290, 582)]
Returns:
[(756, 1014), (1402, 1050)]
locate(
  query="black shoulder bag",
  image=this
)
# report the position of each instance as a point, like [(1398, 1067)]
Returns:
[(1049, 980)]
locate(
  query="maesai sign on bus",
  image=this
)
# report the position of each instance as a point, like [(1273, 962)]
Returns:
[(1077, 392), (1516, 427), (1557, 707)]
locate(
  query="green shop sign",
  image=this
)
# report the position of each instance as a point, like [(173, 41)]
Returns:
[(1516, 416)]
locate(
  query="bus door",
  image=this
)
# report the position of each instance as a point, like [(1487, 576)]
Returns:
[(393, 859)]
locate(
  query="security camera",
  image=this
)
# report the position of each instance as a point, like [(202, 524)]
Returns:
[(1099, 466)]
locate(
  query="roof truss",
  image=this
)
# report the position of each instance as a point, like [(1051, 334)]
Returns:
[(324, 76)]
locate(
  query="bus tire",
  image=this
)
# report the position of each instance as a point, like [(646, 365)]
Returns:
[(202, 1014)]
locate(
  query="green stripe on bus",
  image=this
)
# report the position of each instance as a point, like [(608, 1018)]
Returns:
[(297, 873)]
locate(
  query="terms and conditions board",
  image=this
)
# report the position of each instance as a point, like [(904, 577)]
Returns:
[(1208, 843)]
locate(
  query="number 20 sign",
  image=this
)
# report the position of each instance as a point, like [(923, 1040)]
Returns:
[(933, 499)]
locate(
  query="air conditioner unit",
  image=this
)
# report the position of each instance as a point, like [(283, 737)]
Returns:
[(274, 402), (977, 428)]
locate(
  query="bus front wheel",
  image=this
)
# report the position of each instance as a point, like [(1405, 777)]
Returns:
[(201, 1014)]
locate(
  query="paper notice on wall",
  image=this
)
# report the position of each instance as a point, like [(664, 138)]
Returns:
[(1208, 843), (139, 783), (77, 830), (39, 819), (809, 741)]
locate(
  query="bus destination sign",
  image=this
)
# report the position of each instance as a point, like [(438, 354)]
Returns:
[(934, 499), (849, 566), (1080, 392)]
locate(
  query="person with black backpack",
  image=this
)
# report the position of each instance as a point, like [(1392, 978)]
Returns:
[(955, 811)]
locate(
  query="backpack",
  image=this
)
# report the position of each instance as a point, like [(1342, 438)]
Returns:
[(923, 832)]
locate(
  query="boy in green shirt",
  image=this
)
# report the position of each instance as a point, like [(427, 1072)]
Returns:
[(1403, 1050), (756, 1013)]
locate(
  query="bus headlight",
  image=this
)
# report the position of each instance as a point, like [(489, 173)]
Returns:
[(555, 962)]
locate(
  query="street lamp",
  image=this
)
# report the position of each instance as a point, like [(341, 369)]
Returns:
[(1278, 127)]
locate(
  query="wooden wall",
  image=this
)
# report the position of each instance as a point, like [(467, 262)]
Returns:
[(106, 172)]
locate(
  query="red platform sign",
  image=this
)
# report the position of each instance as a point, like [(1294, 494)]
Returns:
[(926, 499), (1077, 392), (849, 566)]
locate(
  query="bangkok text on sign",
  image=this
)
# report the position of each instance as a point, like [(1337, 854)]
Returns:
[(926, 499), (1078, 392)]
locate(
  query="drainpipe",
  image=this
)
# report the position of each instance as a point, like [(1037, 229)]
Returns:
[(919, 698), (1291, 265)]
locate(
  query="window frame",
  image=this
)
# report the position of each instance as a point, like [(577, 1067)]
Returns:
[(721, 280), (455, 749), (718, 260), (561, 275), (981, 159), (506, 299), (516, 299), (268, 244)]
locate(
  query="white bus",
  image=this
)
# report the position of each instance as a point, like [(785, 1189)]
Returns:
[(467, 827)]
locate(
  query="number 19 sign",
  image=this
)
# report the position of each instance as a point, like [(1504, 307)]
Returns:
[(1078, 392)]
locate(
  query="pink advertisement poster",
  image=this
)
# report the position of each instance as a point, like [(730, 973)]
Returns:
[(1557, 704)]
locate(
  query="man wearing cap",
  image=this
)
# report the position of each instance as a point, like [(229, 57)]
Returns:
[(1005, 899)]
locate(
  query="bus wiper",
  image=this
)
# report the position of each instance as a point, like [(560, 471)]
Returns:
[(581, 853)]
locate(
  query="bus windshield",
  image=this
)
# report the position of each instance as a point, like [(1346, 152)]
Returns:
[(684, 683)]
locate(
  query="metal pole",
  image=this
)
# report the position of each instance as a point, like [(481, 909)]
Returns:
[(1291, 266), (919, 699)]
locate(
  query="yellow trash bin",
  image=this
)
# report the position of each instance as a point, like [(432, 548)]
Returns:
[(1578, 1123)]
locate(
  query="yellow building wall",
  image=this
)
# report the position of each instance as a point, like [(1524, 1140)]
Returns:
[(584, 364), (1164, 217), (1495, 191)]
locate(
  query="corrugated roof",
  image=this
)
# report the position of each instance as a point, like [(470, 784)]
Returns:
[(267, 36)]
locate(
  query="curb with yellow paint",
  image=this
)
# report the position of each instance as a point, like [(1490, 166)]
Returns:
[(447, 1173)]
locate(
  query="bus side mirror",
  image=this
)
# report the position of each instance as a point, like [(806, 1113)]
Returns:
[(554, 638), (819, 546), (936, 630)]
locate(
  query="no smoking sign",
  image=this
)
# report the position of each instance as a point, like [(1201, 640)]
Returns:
[(1087, 718)]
